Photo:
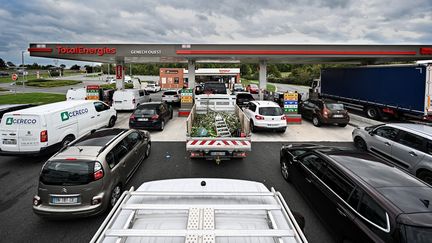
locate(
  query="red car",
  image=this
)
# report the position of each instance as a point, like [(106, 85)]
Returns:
[(252, 88)]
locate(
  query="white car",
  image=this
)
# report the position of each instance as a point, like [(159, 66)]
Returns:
[(171, 96), (265, 115), (129, 99), (153, 87)]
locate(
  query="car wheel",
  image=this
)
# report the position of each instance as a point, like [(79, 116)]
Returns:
[(115, 195), (148, 150), (112, 121), (360, 143), (284, 170), (315, 121), (252, 126), (67, 140), (342, 124), (425, 176), (162, 125)]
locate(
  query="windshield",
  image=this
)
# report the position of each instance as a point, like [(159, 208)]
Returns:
[(270, 111), (145, 111), (245, 96), (418, 234), (67, 172), (334, 106), (254, 86), (170, 93)]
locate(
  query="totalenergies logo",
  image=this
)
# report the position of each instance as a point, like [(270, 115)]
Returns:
[(100, 51)]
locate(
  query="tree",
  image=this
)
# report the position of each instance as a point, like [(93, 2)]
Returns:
[(2, 64), (10, 64), (62, 66), (273, 71), (75, 67)]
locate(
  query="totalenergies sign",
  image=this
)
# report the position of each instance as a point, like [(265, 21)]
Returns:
[(100, 51)]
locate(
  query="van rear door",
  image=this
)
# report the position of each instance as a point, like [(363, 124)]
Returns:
[(20, 133)]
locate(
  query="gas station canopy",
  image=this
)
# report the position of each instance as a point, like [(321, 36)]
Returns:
[(231, 53)]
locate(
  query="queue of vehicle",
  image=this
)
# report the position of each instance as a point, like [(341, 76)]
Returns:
[(345, 187)]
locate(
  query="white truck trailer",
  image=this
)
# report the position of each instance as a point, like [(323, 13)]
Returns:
[(220, 146), (200, 210)]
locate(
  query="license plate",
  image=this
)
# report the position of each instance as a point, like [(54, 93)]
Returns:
[(64, 200), (273, 125), (338, 116), (217, 153), (9, 141), (142, 119)]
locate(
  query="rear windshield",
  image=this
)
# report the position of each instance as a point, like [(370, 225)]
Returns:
[(270, 111), (245, 96), (254, 85), (334, 106), (418, 234), (216, 88), (170, 93), (67, 172), (150, 85), (145, 111)]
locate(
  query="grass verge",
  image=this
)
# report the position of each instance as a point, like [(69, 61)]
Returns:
[(31, 98), (270, 87), (44, 83), (113, 86)]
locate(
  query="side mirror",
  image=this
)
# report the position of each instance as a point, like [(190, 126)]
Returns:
[(372, 133)]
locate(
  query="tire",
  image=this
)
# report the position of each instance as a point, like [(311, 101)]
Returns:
[(112, 121), (114, 196), (67, 140), (281, 130), (360, 143), (425, 176), (162, 126), (373, 113), (252, 126), (342, 124), (284, 170), (315, 121), (148, 150), (171, 115), (149, 100)]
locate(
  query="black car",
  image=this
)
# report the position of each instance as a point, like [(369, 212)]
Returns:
[(361, 198), (243, 99), (153, 115), (322, 111), (13, 107)]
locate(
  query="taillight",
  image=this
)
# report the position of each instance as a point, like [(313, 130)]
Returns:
[(44, 136), (155, 117), (132, 117), (133, 101), (98, 171), (36, 201), (196, 154), (326, 112), (240, 154), (258, 117), (163, 95)]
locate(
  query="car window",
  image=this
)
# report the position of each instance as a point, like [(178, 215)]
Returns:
[(313, 163), (141, 93), (162, 109), (338, 183), (252, 107), (298, 152), (354, 199), (412, 140), (110, 159), (334, 106), (387, 132), (429, 147), (120, 151), (132, 139), (99, 106), (372, 211)]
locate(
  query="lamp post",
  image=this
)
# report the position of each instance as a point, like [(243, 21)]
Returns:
[(23, 68)]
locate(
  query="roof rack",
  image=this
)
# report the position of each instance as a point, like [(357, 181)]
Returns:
[(201, 218)]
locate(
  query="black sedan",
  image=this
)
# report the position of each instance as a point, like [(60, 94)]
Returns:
[(243, 98), (153, 115)]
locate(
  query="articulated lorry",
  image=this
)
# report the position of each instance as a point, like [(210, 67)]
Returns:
[(390, 90), (217, 128)]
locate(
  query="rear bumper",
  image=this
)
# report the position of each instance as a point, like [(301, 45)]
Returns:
[(145, 125), (344, 120), (43, 151), (65, 213), (271, 126)]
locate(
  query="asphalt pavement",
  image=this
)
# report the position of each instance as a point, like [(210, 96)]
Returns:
[(168, 160)]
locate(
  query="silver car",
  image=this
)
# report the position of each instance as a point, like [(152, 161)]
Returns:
[(87, 177), (408, 146)]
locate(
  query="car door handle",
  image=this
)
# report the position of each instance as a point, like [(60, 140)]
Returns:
[(341, 212), (92, 117), (98, 115), (387, 144), (413, 154), (308, 180)]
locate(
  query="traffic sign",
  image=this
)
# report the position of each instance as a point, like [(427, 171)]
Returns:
[(14, 77)]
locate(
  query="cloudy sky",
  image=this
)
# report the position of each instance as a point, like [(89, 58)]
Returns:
[(211, 21)]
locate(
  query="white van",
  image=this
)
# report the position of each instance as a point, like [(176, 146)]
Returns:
[(76, 94), (129, 99), (46, 128)]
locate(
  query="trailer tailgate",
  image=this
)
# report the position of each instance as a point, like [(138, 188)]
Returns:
[(227, 144)]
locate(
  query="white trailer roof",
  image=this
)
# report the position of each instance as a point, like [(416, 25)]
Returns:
[(50, 108), (183, 210)]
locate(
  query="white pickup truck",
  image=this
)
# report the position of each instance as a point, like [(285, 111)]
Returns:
[(201, 211), (223, 145)]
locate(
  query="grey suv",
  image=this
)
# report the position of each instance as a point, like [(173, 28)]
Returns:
[(408, 146), (86, 177)]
